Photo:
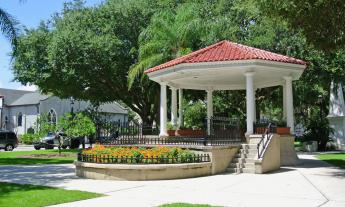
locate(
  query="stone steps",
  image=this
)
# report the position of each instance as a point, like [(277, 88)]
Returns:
[(241, 170), (244, 161)]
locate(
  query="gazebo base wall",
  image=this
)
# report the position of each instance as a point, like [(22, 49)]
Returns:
[(221, 157), (288, 156)]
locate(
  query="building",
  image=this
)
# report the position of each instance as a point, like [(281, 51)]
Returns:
[(336, 115), (19, 109)]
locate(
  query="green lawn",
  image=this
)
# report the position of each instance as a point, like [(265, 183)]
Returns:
[(185, 205), (16, 195), (24, 157), (337, 159)]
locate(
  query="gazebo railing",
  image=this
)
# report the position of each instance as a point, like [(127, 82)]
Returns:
[(223, 131)]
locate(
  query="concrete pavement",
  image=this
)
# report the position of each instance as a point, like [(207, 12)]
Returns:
[(312, 183)]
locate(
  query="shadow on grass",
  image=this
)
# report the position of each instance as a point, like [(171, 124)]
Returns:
[(36, 196), (7, 188), (33, 161), (337, 162), (53, 175)]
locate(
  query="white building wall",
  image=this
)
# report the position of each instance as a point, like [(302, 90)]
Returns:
[(30, 113), (336, 115), (29, 118), (63, 106)]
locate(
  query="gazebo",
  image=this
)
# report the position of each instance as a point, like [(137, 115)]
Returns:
[(226, 66)]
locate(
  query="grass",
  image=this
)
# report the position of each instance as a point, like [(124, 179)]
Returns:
[(185, 205), (16, 157), (17, 195), (337, 159)]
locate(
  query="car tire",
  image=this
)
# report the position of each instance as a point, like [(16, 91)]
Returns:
[(37, 147), (64, 147), (9, 147), (74, 144)]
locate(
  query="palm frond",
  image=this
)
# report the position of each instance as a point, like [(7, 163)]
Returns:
[(138, 69), (8, 26)]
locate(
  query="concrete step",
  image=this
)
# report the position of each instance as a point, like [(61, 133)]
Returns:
[(248, 170), (234, 170), (249, 146), (246, 155), (242, 165), (240, 155), (248, 151), (243, 160)]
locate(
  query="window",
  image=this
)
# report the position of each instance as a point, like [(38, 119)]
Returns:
[(20, 119), (52, 116)]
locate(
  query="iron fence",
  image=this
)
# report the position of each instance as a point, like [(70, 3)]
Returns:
[(223, 131), (108, 159)]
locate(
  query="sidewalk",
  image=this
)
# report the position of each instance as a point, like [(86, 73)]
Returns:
[(313, 183)]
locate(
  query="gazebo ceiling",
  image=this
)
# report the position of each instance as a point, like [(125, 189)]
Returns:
[(221, 66)]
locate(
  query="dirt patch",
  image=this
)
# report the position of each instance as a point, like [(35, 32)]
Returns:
[(45, 156)]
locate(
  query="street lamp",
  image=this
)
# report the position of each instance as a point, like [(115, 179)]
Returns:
[(72, 103), (319, 101)]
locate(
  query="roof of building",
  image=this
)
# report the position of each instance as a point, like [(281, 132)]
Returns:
[(22, 98), (29, 99), (11, 95), (227, 51), (113, 107)]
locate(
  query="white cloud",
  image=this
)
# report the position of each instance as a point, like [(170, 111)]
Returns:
[(28, 88)]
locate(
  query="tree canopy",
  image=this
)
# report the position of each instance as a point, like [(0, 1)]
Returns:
[(100, 53), (322, 21)]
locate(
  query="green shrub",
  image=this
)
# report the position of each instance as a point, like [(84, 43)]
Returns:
[(194, 115), (29, 138)]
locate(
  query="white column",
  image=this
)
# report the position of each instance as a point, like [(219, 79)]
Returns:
[(209, 110), (180, 107), (254, 102), (289, 103), (284, 101), (250, 102), (173, 106), (163, 111)]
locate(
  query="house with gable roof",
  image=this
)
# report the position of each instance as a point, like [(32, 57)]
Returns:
[(20, 109)]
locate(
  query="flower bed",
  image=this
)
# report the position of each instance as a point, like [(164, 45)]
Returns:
[(136, 155)]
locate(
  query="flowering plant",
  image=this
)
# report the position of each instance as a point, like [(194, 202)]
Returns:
[(137, 152)]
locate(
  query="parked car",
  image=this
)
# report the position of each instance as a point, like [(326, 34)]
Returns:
[(8, 140), (50, 141)]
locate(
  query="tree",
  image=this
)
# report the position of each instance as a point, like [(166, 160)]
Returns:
[(8, 26), (86, 53), (76, 126), (170, 34), (322, 22)]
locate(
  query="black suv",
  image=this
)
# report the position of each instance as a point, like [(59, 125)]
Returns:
[(8, 140)]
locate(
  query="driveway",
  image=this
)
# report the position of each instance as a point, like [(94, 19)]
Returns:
[(312, 183)]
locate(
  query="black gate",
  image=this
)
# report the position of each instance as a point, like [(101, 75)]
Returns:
[(221, 131)]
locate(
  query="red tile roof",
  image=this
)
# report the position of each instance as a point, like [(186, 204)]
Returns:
[(227, 51)]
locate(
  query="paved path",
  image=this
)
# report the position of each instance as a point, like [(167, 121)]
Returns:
[(313, 183), (24, 147)]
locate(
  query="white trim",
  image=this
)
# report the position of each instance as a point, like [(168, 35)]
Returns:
[(227, 64)]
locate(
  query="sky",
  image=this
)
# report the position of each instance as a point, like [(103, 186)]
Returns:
[(29, 13)]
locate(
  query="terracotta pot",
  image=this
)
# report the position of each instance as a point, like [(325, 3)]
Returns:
[(260, 130), (171, 132), (283, 130), (191, 132)]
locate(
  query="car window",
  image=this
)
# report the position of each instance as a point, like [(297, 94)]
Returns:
[(11, 136), (2, 136)]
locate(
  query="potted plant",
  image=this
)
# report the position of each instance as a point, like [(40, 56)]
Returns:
[(282, 128), (192, 132), (171, 129)]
